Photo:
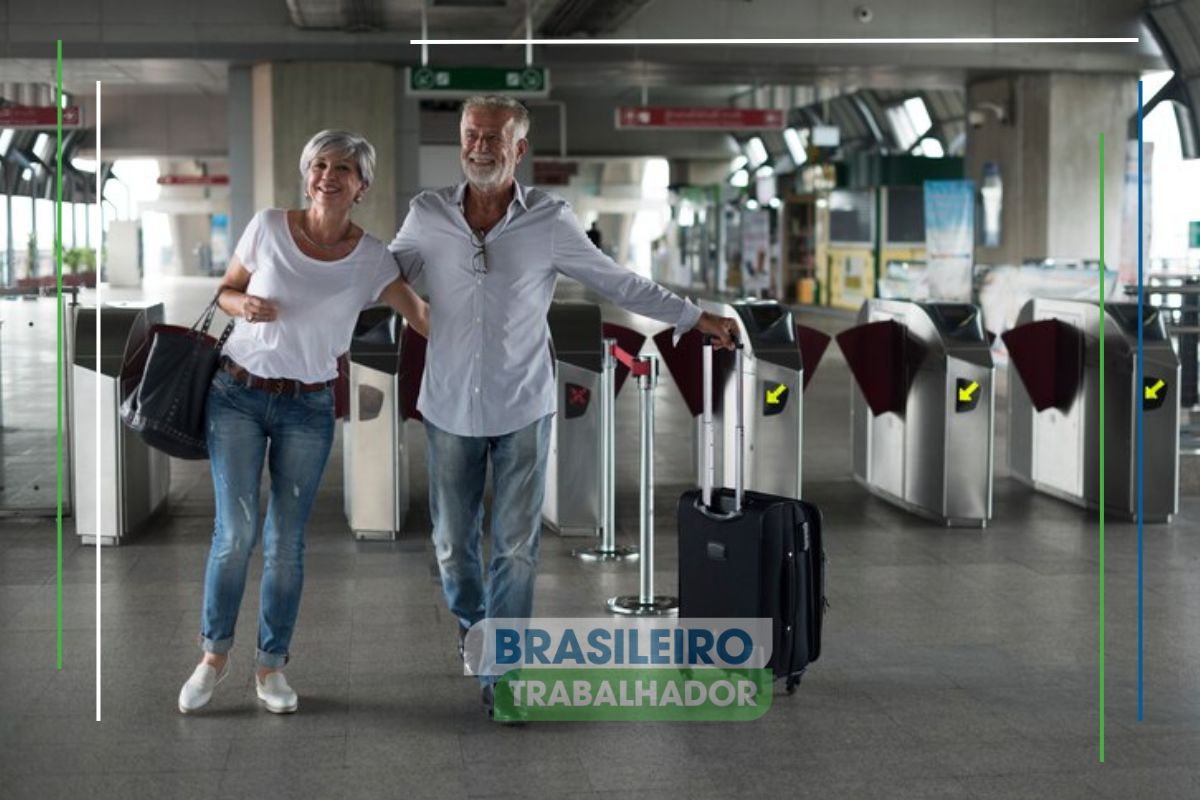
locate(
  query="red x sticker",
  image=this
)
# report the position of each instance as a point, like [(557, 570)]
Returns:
[(577, 400)]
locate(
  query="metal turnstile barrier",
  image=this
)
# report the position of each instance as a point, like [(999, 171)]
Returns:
[(574, 474), (773, 394), (922, 409), (135, 477), (375, 457), (780, 358), (1054, 405)]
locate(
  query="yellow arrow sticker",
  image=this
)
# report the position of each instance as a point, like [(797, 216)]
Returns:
[(1152, 391), (774, 394), (964, 394)]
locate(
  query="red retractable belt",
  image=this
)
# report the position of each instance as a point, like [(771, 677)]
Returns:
[(637, 367)]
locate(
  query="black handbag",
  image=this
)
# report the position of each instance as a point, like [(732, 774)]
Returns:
[(164, 385)]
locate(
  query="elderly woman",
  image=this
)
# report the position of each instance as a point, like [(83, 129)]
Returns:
[(295, 285)]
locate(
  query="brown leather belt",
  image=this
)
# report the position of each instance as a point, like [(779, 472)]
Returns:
[(272, 385)]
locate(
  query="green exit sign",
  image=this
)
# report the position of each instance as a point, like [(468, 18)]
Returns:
[(466, 81), (1194, 234)]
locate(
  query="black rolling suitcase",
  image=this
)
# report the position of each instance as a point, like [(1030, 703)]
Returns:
[(748, 554)]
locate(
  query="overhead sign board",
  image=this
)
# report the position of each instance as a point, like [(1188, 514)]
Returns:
[(451, 82), (716, 118), (554, 173), (193, 180), (38, 117)]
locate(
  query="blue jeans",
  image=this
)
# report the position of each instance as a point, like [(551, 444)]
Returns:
[(457, 470), (293, 434)]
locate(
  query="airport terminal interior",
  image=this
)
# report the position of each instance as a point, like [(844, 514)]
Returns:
[(961, 247)]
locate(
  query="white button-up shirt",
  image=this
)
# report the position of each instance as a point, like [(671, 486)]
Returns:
[(487, 367)]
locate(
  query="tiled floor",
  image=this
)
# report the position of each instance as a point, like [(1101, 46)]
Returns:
[(956, 664)]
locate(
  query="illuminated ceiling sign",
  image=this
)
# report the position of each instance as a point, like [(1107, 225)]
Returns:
[(452, 82), (39, 117), (700, 118)]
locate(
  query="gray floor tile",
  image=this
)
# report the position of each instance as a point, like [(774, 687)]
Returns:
[(1068, 786), (293, 754), (538, 778)]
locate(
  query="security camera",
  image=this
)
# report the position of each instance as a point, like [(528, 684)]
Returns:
[(977, 117), (864, 14)]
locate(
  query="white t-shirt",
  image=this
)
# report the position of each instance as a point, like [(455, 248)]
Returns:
[(317, 301)]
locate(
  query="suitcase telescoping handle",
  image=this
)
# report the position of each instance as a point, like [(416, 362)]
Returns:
[(708, 473)]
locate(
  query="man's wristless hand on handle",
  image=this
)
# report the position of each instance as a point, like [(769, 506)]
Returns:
[(724, 330)]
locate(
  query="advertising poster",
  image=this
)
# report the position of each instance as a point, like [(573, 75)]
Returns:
[(950, 238), (1128, 265), (756, 251)]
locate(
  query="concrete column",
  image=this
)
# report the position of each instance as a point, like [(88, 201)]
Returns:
[(10, 251), (1044, 130), (241, 151), (408, 151), (1082, 107), (262, 126), (292, 101)]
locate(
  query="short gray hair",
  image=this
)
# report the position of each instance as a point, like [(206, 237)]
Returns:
[(501, 102), (342, 143)]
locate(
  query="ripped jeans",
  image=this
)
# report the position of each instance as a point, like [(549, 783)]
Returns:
[(293, 435)]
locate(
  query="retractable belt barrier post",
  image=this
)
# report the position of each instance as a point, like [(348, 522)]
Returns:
[(645, 603), (608, 549)]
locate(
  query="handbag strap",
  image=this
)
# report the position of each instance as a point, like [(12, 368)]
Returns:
[(202, 324), (206, 317), (224, 336)]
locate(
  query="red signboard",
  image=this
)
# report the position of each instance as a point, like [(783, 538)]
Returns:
[(193, 180), (554, 173), (37, 117), (710, 119)]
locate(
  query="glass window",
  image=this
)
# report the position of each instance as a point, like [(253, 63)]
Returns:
[(852, 216), (1170, 194)]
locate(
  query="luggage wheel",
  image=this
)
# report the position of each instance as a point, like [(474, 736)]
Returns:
[(792, 683)]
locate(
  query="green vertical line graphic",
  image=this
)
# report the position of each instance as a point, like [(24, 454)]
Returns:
[(1102, 273), (59, 359)]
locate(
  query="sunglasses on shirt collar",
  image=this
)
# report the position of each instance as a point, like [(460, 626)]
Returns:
[(479, 261)]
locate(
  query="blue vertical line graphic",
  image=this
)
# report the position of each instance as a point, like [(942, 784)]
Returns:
[(1141, 409)]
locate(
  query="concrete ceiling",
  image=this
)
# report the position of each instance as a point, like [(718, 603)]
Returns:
[(380, 30), (182, 48), (123, 75)]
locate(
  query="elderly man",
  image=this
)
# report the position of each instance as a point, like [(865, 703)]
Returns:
[(490, 250)]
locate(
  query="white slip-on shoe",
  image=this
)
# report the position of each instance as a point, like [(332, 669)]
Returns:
[(276, 694), (198, 690)]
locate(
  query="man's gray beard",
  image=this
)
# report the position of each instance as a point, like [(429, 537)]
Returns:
[(494, 180)]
